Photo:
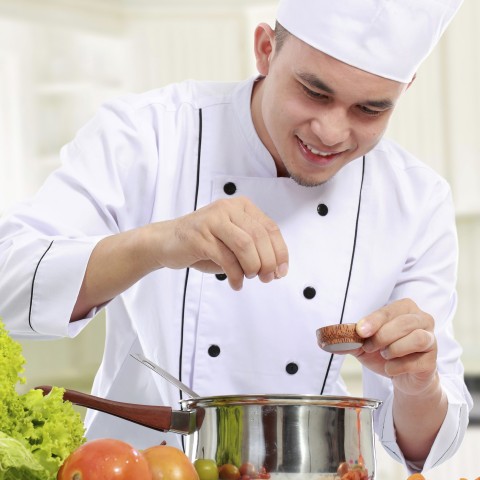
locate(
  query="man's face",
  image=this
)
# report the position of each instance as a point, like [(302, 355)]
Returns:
[(314, 113)]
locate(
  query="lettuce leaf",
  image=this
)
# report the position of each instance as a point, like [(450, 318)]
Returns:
[(17, 462), (11, 368), (47, 426), (50, 426)]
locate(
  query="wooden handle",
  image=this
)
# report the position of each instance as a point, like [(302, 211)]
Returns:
[(156, 417)]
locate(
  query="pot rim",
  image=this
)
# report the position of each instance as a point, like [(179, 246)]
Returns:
[(281, 399)]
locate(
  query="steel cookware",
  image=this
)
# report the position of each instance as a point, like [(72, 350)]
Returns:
[(163, 373), (298, 435), (283, 436)]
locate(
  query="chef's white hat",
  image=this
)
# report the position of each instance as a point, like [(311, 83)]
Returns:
[(389, 38)]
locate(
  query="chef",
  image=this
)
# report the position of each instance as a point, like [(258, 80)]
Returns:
[(219, 225)]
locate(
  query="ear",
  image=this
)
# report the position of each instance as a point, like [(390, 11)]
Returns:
[(264, 43)]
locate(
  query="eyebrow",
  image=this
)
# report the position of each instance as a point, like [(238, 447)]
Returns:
[(315, 82)]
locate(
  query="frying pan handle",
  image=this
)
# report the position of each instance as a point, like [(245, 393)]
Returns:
[(155, 417)]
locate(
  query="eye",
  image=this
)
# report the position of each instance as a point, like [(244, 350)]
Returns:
[(313, 94), (369, 111)]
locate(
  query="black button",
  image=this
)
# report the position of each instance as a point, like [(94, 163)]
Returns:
[(221, 276), (309, 292), (292, 368), (214, 350), (230, 188), (322, 209)]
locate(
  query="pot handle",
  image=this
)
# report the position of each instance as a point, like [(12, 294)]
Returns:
[(155, 417)]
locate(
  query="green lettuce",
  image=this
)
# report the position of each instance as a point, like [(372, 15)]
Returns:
[(17, 462), (47, 427), (11, 368)]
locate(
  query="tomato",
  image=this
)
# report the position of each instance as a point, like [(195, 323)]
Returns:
[(248, 469), (206, 468), (228, 471), (105, 459), (169, 463), (262, 473), (342, 469)]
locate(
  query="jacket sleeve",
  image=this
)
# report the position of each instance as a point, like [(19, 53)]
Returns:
[(46, 242), (429, 277)]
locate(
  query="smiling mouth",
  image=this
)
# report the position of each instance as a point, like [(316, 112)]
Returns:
[(319, 154)]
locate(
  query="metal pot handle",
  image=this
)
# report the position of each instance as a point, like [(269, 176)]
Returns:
[(160, 418)]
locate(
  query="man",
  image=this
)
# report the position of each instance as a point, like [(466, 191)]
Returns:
[(285, 177)]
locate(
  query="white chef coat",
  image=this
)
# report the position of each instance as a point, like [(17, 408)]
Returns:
[(382, 229)]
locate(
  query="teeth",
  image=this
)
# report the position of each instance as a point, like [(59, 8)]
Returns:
[(318, 152)]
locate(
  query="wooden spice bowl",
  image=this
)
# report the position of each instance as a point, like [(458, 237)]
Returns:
[(339, 338)]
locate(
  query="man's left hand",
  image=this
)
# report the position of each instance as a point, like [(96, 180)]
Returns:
[(400, 344)]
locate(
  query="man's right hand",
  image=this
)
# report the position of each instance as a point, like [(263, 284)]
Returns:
[(231, 236)]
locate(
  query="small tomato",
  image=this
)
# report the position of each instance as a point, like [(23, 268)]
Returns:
[(248, 469), (105, 459), (228, 471), (262, 473), (169, 463)]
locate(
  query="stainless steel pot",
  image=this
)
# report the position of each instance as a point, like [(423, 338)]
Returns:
[(286, 434), (289, 436)]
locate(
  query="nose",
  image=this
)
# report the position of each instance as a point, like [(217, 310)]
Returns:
[(331, 126)]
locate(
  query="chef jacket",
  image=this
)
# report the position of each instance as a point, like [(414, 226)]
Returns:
[(382, 229)]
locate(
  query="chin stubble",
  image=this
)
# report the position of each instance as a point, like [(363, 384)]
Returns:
[(304, 182)]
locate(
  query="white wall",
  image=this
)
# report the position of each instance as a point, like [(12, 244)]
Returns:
[(59, 59)]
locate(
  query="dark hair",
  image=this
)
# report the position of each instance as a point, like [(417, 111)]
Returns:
[(281, 35)]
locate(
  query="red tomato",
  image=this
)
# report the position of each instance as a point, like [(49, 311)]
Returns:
[(262, 473), (228, 471), (105, 459), (169, 463), (248, 469)]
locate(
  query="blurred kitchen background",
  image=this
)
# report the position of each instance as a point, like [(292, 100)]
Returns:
[(60, 59)]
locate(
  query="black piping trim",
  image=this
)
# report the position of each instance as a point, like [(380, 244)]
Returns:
[(33, 284), (393, 452), (441, 459), (351, 269), (180, 363), (200, 130), (180, 360)]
